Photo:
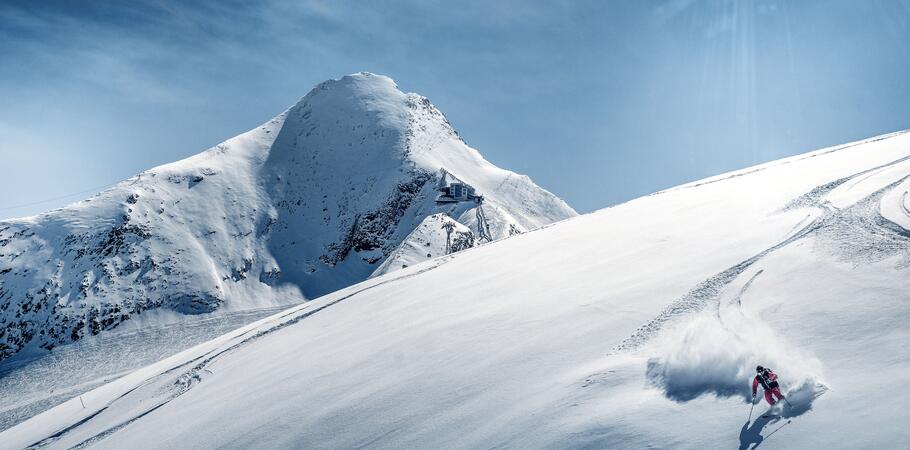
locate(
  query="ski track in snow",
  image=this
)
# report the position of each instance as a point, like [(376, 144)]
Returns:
[(841, 222), (689, 351), (698, 297), (188, 379), (30, 385), (904, 198), (737, 174), (742, 290), (857, 232), (308, 203)]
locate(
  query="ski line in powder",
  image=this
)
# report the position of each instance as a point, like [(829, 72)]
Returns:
[(188, 379)]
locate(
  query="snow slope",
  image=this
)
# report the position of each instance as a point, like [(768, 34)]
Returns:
[(437, 235), (31, 384), (635, 326), (311, 201)]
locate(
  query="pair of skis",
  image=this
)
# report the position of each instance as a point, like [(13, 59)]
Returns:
[(764, 415), (777, 429), (751, 408)]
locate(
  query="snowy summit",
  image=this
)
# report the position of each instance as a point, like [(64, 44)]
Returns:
[(343, 185), (637, 326)]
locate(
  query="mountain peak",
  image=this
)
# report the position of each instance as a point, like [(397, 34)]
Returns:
[(360, 81), (362, 90), (361, 114), (308, 203)]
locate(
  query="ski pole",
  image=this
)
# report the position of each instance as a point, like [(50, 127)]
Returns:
[(776, 430), (788, 401), (751, 408)]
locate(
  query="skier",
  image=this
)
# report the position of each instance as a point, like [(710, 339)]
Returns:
[(768, 381)]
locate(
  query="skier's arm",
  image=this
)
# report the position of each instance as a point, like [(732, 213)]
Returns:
[(772, 376), (754, 386)]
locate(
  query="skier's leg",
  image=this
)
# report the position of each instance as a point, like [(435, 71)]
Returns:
[(768, 397), (776, 392)]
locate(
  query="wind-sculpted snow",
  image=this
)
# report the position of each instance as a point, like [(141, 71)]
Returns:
[(858, 230), (30, 384), (310, 202), (638, 326), (705, 355)]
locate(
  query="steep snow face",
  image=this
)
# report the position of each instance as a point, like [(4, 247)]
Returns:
[(635, 326), (312, 201), (438, 235), (183, 237), (391, 147)]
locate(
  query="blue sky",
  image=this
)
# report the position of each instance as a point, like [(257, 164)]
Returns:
[(599, 101)]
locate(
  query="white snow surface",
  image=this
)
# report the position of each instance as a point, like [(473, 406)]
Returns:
[(426, 240), (311, 201), (636, 326)]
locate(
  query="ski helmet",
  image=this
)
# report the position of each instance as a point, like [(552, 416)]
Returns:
[(759, 369)]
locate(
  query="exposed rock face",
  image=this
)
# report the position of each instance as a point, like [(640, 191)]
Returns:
[(437, 235), (312, 201)]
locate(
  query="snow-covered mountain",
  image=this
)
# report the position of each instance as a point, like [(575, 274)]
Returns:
[(314, 200), (438, 234), (638, 326)]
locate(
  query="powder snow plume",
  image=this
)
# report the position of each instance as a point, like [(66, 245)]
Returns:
[(710, 356)]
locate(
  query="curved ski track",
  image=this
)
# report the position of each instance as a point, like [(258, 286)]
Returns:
[(887, 238), (188, 379)]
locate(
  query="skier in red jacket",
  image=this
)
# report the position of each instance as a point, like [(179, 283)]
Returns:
[(768, 381)]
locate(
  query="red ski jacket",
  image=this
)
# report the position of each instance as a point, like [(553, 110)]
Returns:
[(767, 379)]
